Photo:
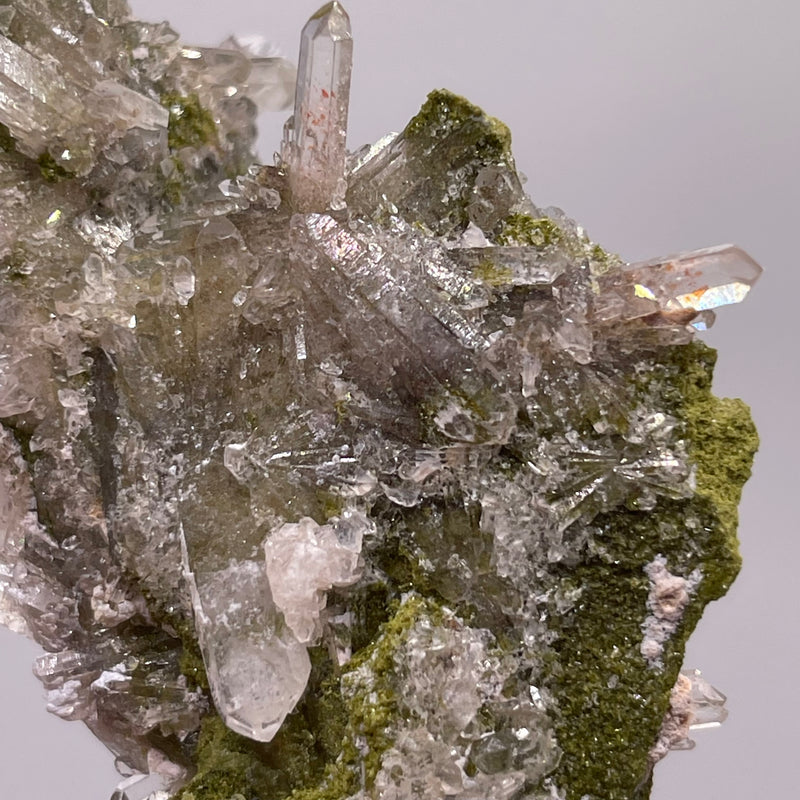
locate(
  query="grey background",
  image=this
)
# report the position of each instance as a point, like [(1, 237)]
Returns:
[(660, 127)]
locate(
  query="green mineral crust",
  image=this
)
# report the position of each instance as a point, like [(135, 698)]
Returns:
[(356, 477)]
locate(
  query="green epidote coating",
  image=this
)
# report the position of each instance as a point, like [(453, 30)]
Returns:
[(445, 113), (523, 230), (491, 274), (190, 123), (371, 708), (450, 136), (191, 663), (7, 143), (601, 261), (314, 755), (610, 701), (51, 170), (309, 739), (175, 184), (227, 764)]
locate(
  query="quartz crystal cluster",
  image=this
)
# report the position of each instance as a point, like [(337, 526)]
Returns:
[(356, 477)]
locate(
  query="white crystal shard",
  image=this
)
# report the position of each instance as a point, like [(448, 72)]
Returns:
[(315, 150), (304, 560)]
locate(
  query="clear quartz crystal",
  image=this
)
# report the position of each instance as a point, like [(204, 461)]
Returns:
[(314, 153), (708, 703), (685, 286), (698, 280), (141, 787), (257, 670)]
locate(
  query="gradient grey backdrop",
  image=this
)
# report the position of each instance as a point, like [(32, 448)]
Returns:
[(660, 126)]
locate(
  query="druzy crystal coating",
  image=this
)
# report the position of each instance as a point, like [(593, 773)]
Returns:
[(356, 477)]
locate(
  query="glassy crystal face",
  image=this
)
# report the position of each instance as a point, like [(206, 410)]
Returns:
[(314, 151), (686, 286), (361, 476)]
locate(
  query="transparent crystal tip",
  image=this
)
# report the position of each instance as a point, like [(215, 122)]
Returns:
[(335, 11)]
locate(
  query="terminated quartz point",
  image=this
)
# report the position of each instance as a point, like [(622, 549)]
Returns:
[(686, 286), (708, 703), (694, 704), (358, 477), (257, 670), (314, 150), (699, 280)]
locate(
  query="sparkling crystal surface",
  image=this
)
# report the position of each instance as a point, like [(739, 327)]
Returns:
[(357, 477)]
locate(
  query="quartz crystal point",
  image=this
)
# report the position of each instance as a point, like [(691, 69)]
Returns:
[(708, 703), (314, 150), (684, 286), (694, 704), (257, 672), (361, 477)]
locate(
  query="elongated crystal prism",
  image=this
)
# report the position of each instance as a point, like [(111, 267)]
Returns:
[(685, 286), (314, 147), (698, 280)]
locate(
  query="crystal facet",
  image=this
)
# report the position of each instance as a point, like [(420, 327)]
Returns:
[(684, 285), (314, 151)]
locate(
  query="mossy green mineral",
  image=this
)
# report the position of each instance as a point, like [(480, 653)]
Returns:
[(609, 700)]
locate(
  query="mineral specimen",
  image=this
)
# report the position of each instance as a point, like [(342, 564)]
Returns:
[(359, 476)]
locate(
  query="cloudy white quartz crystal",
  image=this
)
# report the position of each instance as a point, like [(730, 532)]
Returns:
[(304, 560), (314, 151), (256, 668)]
